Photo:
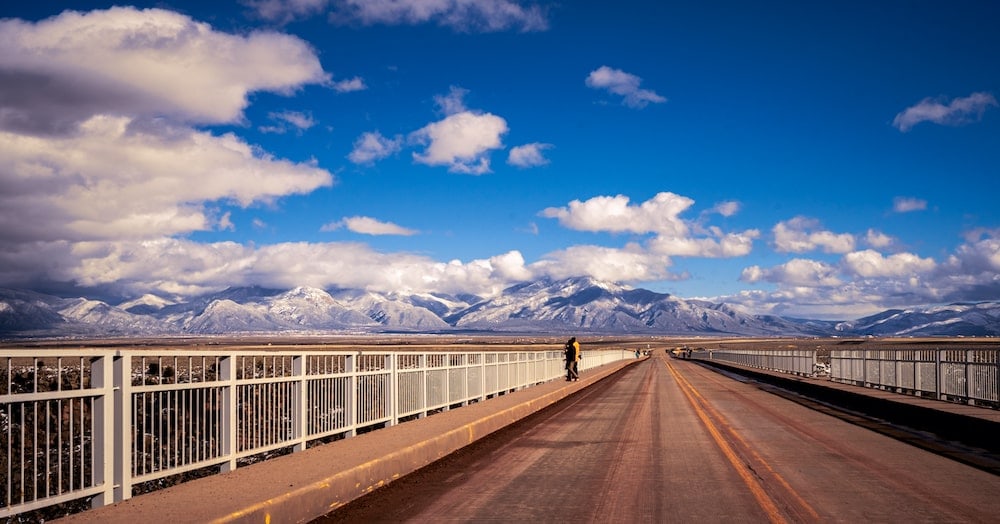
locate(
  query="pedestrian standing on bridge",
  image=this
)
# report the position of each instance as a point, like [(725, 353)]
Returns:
[(572, 350)]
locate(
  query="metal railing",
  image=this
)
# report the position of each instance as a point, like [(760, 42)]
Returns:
[(795, 361), (96, 426), (961, 375)]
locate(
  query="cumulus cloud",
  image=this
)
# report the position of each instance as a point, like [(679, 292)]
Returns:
[(870, 263), (796, 272), (631, 263), (115, 179), (726, 209), (461, 141), (148, 63), (470, 16), (660, 214), (624, 84), (908, 204), (801, 234), (369, 226), (719, 245), (528, 155), (371, 147), (865, 282), (878, 239), (101, 164), (939, 111), (134, 268)]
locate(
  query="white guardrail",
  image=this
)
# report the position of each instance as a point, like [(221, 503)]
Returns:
[(95, 426), (962, 375), (795, 361)]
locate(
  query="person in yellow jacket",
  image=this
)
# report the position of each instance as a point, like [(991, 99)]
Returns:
[(572, 350)]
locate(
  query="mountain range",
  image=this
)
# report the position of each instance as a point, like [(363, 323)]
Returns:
[(574, 305)]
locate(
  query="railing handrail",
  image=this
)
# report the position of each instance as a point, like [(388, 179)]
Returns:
[(963, 375), (794, 361)]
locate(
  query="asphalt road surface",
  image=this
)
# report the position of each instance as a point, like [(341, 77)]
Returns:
[(671, 441)]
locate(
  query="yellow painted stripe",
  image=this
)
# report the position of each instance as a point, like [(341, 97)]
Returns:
[(781, 480), (763, 499)]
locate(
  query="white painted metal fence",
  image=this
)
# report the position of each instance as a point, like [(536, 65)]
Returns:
[(99, 424), (796, 361), (963, 375)]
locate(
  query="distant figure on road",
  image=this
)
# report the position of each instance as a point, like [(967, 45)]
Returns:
[(572, 349)]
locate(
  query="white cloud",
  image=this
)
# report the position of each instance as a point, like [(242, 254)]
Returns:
[(725, 245), (148, 180), (350, 85), (726, 209), (796, 272), (957, 112), (296, 119), (631, 263), (285, 11), (145, 63), (908, 204), (865, 282), (371, 147), (134, 268), (624, 84), (878, 239), (462, 141), (660, 214), (369, 226), (869, 263), (460, 15), (528, 155), (226, 223), (453, 102), (798, 235)]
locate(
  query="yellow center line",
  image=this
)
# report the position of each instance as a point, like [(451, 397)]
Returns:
[(735, 435), (763, 499)]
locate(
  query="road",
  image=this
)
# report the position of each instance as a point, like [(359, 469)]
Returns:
[(671, 441)]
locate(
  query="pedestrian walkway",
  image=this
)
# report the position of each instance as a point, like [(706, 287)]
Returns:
[(306, 485)]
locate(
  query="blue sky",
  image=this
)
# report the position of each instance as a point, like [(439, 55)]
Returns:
[(824, 160)]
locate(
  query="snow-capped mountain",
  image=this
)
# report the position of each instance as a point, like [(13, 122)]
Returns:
[(110, 320), (586, 304), (979, 319), (577, 305), (397, 313)]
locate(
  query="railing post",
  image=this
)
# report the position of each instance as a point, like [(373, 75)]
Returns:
[(227, 375), (482, 376), (423, 385), (968, 389), (352, 395), (122, 371), (937, 374), (393, 389), (105, 442), (301, 409)]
